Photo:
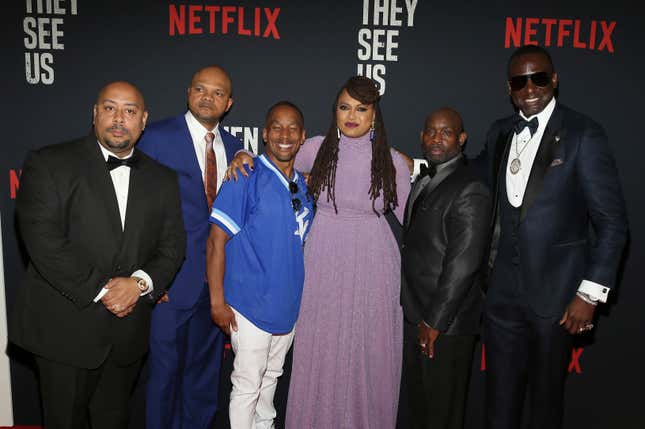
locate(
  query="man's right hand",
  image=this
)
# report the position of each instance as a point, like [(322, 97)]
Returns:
[(163, 298), (237, 166), (224, 317)]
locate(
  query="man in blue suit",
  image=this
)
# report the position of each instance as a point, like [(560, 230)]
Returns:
[(185, 345), (554, 179)]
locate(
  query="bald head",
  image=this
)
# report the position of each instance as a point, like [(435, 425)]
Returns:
[(210, 95), (119, 117), (215, 73), (122, 87), (450, 115)]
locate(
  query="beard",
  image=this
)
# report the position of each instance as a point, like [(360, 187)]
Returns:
[(123, 144)]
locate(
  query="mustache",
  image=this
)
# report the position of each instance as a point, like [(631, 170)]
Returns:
[(117, 127), (432, 146)]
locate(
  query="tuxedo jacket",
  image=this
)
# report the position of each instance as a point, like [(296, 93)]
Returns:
[(573, 223), (445, 238), (69, 221), (169, 142)]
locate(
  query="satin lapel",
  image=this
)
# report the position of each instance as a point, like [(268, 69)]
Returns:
[(189, 159), (502, 149), (100, 179), (136, 195), (542, 161), (436, 181), (406, 220)]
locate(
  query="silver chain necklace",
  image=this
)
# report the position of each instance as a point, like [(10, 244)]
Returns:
[(516, 165)]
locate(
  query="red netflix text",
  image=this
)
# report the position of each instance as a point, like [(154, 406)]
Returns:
[(209, 19), (14, 182), (575, 33), (574, 363)]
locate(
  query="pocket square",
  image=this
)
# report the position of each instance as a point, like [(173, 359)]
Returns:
[(556, 162)]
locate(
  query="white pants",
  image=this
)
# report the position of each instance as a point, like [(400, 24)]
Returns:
[(259, 357)]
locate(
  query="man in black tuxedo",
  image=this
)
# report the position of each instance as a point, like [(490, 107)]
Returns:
[(559, 231), (102, 225), (445, 237)]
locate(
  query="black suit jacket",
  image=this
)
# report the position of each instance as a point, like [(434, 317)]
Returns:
[(69, 221), (573, 185), (445, 238)]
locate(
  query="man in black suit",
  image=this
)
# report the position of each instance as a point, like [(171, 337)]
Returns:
[(445, 236), (102, 225), (554, 180)]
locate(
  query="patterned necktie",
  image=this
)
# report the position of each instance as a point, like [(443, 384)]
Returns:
[(210, 178)]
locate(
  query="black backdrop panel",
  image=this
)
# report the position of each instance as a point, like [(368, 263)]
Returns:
[(425, 54)]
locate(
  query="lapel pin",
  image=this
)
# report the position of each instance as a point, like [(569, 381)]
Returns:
[(557, 139)]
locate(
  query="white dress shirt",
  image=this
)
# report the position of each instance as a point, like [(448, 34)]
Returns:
[(527, 147), (121, 181), (198, 134)]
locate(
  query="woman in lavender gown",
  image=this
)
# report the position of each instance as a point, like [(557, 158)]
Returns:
[(348, 342)]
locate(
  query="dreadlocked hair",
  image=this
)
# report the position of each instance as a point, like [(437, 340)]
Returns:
[(383, 173)]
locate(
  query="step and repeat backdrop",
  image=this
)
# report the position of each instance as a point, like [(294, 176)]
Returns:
[(424, 54)]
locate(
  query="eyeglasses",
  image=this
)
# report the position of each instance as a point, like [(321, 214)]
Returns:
[(540, 79), (296, 204)]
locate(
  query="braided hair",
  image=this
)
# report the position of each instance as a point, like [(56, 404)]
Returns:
[(383, 173)]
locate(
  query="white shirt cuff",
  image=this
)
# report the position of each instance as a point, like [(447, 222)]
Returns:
[(101, 294), (146, 277), (417, 168), (594, 290)]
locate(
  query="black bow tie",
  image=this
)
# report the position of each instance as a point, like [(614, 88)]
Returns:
[(114, 162), (427, 170), (520, 124)]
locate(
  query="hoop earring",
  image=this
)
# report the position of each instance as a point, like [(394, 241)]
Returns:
[(338, 132)]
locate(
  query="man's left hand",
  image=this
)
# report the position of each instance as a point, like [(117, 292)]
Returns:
[(578, 316), (122, 296), (427, 338)]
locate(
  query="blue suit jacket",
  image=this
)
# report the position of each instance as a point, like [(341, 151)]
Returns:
[(573, 185), (169, 142)]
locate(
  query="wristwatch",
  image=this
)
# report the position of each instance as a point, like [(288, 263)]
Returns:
[(141, 283)]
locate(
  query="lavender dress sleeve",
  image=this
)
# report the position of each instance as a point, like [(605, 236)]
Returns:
[(307, 154), (402, 183)]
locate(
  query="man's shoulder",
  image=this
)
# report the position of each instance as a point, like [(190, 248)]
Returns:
[(158, 129), (575, 120), (467, 179), (154, 167), (68, 149), (504, 123), (232, 185)]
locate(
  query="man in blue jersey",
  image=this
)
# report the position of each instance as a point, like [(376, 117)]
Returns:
[(255, 265)]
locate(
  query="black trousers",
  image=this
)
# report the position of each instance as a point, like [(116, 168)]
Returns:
[(79, 398), (524, 354), (436, 389)]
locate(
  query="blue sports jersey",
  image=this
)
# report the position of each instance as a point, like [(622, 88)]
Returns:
[(264, 255)]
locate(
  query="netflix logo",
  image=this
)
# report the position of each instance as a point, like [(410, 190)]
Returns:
[(14, 182), (571, 33), (573, 367), (210, 19)]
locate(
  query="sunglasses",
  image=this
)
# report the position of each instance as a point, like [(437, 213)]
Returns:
[(540, 79), (296, 204)]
